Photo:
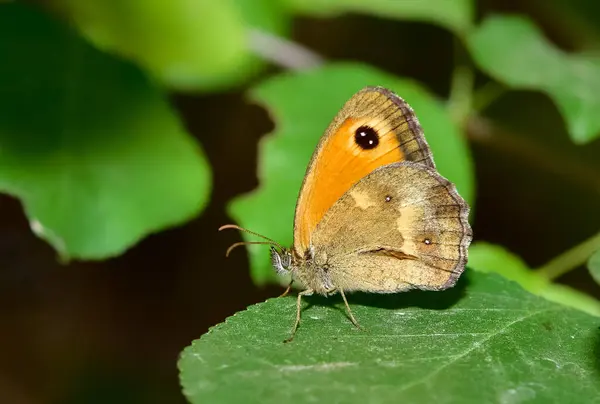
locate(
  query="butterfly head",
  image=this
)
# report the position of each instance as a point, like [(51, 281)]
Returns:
[(281, 259)]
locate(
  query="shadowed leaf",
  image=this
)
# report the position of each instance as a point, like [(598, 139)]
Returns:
[(91, 148), (515, 52), (455, 15), (187, 45)]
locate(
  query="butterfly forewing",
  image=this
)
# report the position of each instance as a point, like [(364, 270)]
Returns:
[(373, 129)]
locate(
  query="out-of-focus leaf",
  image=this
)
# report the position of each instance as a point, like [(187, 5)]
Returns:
[(91, 148), (455, 15), (515, 52), (302, 105), (594, 266), (416, 347), (493, 258), (187, 45)]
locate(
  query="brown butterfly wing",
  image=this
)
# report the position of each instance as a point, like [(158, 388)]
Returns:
[(339, 162), (403, 226)]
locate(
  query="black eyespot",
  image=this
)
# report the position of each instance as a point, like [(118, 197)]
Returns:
[(427, 241), (388, 198), (366, 137)]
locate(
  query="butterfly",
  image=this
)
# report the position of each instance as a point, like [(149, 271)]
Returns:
[(373, 213)]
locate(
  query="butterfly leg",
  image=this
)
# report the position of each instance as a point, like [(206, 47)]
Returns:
[(348, 309), (306, 292), (288, 289)]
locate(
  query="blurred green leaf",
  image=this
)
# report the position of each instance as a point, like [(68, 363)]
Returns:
[(416, 347), (302, 105), (486, 257), (94, 151), (594, 266), (515, 52), (187, 45), (455, 15)]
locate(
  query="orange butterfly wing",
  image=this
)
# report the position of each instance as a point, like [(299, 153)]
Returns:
[(374, 128)]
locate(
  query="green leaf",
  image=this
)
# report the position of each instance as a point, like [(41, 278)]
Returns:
[(302, 105), (486, 257), (187, 45), (594, 266), (455, 15), (93, 150), (494, 344), (515, 52)]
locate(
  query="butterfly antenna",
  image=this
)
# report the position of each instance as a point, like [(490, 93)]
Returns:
[(236, 227), (231, 247)]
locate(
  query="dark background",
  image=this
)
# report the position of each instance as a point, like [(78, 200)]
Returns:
[(111, 332)]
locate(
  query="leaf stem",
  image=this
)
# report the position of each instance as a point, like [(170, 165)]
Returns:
[(487, 94), (570, 259), (461, 86), (283, 52), (461, 94)]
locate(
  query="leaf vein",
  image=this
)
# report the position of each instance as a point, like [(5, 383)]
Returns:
[(472, 348)]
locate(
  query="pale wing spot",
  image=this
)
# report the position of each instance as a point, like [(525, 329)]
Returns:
[(362, 199), (408, 216), (405, 223)]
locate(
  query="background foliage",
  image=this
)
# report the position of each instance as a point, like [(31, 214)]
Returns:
[(121, 119)]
